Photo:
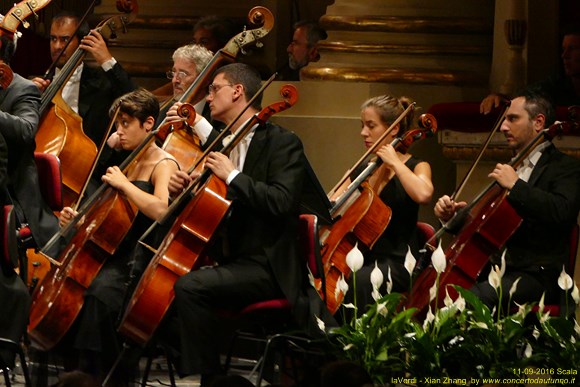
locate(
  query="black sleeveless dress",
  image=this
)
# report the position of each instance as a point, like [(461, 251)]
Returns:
[(391, 248)]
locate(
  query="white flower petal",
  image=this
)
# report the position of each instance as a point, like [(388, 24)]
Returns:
[(376, 277), (528, 351), (460, 304), (576, 294), (541, 305), (494, 277), (514, 286), (447, 300), (438, 259), (321, 324), (502, 269), (389, 281), (564, 280), (433, 292), (354, 259), (375, 294), (410, 261)]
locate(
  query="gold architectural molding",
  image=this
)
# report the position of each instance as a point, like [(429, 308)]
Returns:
[(341, 73), (412, 49), (437, 25)]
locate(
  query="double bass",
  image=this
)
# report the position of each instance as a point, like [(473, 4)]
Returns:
[(180, 140), (481, 229), (60, 130), (360, 218), (185, 246)]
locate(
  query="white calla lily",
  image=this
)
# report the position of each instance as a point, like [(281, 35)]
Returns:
[(438, 259), (528, 351), (541, 304), (410, 261), (376, 277), (321, 324), (494, 278), (502, 268), (565, 282), (432, 292), (355, 259), (460, 303), (389, 281), (448, 301), (576, 294), (514, 286), (429, 318), (341, 286)]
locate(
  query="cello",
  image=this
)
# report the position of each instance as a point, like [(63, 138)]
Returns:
[(363, 218), (93, 235), (184, 248), (60, 130), (482, 228)]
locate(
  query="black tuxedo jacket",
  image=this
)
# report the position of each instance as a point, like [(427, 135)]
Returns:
[(548, 203), (98, 90), (19, 117), (275, 185)]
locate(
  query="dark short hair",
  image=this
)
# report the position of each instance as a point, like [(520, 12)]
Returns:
[(314, 32), (8, 48), (84, 28), (538, 102), (222, 28), (245, 75), (139, 103)]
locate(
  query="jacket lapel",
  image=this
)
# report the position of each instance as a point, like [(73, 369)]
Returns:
[(542, 164), (256, 148)]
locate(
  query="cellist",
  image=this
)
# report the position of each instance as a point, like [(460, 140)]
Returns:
[(265, 176), (545, 193), (403, 182), (188, 62), (145, 185)]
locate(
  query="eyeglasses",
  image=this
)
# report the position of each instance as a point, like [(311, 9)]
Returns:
[(213, 89), (179, 74)]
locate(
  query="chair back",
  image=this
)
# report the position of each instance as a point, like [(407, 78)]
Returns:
[(423, 233), (308, 236), (574, 235), (50, 179), (9, 245)]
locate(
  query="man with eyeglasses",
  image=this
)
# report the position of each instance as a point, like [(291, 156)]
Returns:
[(188, 62), (267, 177)]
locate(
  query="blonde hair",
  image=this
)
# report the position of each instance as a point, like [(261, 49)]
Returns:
[(389, 108)]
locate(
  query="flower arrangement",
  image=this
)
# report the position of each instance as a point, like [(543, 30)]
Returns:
[(460, 342)]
